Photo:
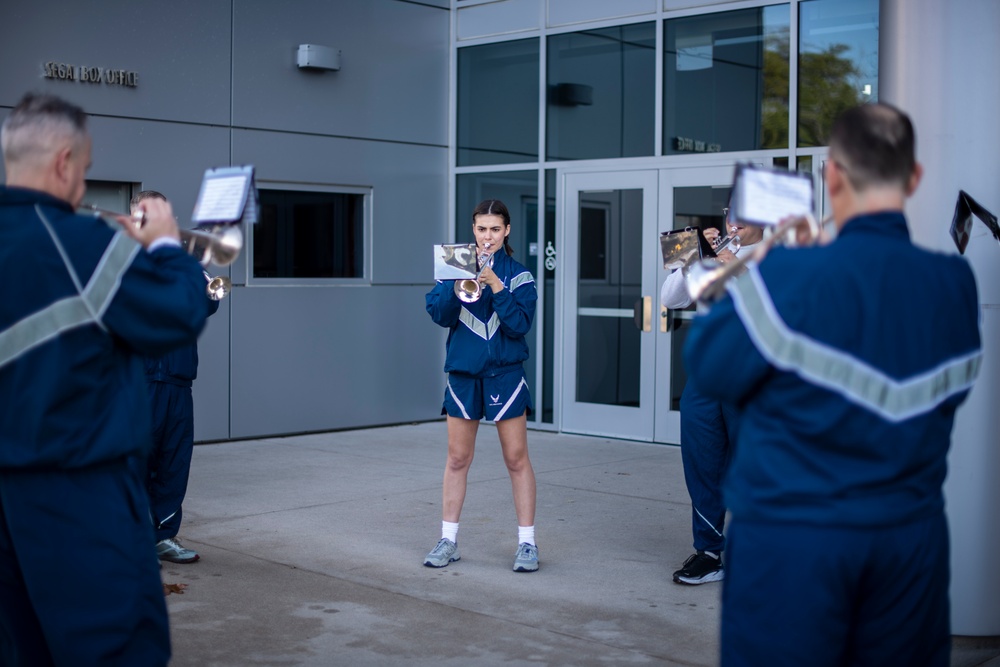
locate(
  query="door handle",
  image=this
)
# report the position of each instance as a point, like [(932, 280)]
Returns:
[(642, 314)]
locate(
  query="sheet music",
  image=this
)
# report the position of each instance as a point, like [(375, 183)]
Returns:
[(221, 198), (766, 196), (454, 261)]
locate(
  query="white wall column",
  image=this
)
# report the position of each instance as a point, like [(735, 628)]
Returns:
[(940, 62)]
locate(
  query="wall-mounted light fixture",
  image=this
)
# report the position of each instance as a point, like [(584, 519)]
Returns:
[(316, 57)]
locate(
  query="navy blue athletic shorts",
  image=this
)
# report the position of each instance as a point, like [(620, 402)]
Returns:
[(495, 398)]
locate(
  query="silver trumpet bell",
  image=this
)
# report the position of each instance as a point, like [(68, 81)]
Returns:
[(219, 287), (470, 290), (215, 244)]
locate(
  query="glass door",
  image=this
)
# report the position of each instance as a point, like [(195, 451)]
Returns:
[(689, 197), (609, 303)]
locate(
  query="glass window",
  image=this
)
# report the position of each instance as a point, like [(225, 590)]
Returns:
[(309, 235), (549, 258), (725, 81), (109, 195), (519, 191), (701, 206), (601, 93), (838, 62), (609, 284), (497, 114)]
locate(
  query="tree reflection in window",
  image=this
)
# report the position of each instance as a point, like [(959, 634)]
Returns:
[(838, 63)]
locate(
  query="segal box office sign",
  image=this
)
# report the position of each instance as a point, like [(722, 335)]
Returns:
[(85, 74)]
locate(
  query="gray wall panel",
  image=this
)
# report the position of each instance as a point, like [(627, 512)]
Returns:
[(172, 158), (180, 49), (313, 359), (292, 358), (409, 182), (393, 83)]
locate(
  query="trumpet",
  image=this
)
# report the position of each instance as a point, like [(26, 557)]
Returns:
[(470, 290), (707, 280), (723, 242), (212, 244)]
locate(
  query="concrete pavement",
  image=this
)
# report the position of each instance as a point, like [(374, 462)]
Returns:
[(312, 546)]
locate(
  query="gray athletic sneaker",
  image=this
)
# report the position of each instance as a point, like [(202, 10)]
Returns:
[(526, 558), (445, 552), (171, 549)]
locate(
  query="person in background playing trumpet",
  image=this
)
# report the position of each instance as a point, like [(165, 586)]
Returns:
[(486, 349), (838, 543), (708, 430), (79, 304), (169, 378)]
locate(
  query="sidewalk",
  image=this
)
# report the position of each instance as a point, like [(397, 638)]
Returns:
[(312, 546)]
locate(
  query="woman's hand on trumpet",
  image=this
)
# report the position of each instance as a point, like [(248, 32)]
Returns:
[(490, 279), (157, 221)]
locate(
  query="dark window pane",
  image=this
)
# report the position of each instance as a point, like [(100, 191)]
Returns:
[(497, 115), (601, 93), (838, 62), (609, 281), (726, 81), (309, 235), (549, 257), (701, 206)]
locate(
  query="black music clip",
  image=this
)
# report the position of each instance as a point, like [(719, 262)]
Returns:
[(961, 221)]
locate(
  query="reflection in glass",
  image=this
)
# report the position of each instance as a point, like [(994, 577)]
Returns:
[(519, 191), (699, 206), (725, 79), (497, 109), (608, 286), (601, 93), (838, 62)]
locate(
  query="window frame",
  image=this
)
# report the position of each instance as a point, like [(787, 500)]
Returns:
[(366, 231)]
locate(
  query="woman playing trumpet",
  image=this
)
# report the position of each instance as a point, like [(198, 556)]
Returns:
[(485, 352)]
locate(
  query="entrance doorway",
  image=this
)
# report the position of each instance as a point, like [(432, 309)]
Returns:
[(621, 367)]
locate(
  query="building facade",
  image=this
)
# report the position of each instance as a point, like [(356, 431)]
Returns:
[(601, 125)]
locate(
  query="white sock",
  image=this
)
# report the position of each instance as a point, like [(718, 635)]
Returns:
[(449, 531), (526, 534)]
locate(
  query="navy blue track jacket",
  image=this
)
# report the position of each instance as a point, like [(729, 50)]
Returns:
[(487, 338), (79, 304), (847, 362)]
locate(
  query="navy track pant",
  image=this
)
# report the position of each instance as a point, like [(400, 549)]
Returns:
[(170, 457), (79, 581), (708, 429), (836, 597)]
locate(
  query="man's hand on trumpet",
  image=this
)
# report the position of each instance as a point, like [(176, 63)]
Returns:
[(714, 236), (157, 219)]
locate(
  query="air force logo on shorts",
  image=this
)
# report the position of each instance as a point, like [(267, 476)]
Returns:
[(495, 398)]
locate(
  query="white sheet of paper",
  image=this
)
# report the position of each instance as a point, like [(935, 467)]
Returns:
[(221, 199), (767, 196)]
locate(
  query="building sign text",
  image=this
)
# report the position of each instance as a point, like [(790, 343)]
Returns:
[(85, 74)]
